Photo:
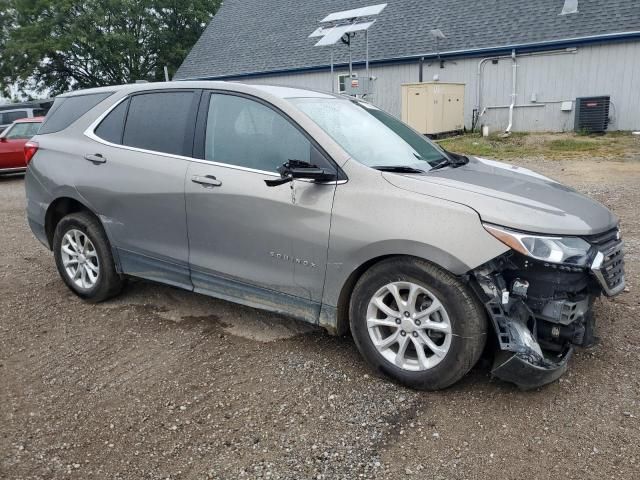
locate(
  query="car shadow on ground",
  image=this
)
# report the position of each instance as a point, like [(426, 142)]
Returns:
[(11, 177)]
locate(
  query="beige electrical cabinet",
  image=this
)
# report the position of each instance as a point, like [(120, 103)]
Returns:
[(433, 107)]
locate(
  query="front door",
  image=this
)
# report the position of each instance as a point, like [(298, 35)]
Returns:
[(249, 242)]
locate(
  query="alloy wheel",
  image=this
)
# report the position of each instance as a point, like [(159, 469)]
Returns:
[(80, 259), (409, 326)]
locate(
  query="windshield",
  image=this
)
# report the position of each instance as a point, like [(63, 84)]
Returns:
[(22, 131), (369, 135)]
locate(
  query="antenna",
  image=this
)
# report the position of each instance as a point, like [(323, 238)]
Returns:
[(344, 26)]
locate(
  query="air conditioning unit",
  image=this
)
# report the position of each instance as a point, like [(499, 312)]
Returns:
[(592, 114)]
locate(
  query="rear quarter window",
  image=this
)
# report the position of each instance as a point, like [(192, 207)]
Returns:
[(112, 127), (66, 110)]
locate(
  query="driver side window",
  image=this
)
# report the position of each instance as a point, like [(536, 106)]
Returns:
[(248, 134)]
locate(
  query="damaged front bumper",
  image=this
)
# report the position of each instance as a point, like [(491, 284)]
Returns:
[(519, 369), (540, 311)]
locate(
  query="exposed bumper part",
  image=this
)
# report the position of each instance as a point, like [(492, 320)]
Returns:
[(518, 369)]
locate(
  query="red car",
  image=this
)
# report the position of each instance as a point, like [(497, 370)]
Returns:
[(12, 142)]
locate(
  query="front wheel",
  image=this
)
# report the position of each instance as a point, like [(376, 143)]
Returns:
[(84, 259), (417, 323)]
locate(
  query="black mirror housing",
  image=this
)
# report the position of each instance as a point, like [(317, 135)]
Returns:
[(314, 173), (296, 169)]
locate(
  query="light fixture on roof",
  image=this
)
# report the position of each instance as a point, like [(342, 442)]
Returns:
[(437, 34), (344, 27), (570, 6)]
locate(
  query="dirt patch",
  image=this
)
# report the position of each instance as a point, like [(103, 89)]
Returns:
[(161, 383)]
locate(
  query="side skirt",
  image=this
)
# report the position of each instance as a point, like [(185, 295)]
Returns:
[(154, 269), (254, 296)]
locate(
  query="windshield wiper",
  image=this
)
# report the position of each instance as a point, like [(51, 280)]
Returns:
[(445, 162), (456, 158), (452, 159), (398, 169)]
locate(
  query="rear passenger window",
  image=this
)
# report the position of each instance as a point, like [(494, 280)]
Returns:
[(112, 127), (249, 134), (66, 110), (160, 122)]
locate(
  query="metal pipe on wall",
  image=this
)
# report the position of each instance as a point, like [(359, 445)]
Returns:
[(333, 80), (514, 80), (366, 41)]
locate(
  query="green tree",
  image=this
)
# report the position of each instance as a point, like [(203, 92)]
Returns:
[(59, 45)]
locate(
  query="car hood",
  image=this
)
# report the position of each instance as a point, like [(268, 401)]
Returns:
[(513, 197)]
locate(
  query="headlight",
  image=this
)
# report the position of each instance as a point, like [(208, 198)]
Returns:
[(566, 250)]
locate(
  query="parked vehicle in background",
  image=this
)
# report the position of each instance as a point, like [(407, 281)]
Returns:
[(12, 144), (8, 116), (327, 209)]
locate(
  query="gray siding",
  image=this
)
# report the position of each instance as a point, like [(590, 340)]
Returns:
[(606, 69)]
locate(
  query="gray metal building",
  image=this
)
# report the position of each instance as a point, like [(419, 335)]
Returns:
[(559, 50)]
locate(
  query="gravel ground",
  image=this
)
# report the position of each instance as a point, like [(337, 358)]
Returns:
[(161, 383)]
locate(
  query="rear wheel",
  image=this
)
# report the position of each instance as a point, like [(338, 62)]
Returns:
[(84, 259), (417, 323)]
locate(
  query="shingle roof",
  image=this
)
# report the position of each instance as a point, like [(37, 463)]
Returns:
[(252, 36)]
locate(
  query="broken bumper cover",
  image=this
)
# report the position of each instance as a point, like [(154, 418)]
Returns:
[(520, 359), (541, 310), (518, 368)]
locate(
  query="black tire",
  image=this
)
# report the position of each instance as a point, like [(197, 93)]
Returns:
[(109, 283), (466, 315)]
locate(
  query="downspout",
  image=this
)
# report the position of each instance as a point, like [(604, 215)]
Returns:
[(514, 77), (420, 73), (477, 112)]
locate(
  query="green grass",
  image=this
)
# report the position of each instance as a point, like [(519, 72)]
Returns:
[(494, 146), (569, 144), (615, 145)]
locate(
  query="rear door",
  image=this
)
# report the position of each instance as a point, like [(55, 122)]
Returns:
[(134, 175), (250, 242)]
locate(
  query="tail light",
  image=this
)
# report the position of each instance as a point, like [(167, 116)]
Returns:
[(30, 149)]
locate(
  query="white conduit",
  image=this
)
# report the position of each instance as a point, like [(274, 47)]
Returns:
[(514, 78), (479, 108)]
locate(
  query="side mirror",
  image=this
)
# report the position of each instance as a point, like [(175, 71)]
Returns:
[(301, 170), (3, 139)]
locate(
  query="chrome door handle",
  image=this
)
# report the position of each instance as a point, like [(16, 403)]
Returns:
[(95, 158), (206, 181)]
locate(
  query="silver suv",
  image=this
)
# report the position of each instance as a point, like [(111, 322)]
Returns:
[(329, 210)]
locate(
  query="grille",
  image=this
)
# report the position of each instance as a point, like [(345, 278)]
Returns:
[(592, 114), (613, 267), (611, 271), (604, 240)]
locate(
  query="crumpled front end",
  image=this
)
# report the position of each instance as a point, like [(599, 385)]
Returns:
[(541, 311)]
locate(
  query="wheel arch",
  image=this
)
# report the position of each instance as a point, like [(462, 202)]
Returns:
[(60, 208), (445, 262)]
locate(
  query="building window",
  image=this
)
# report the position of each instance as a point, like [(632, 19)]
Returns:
[(342, 82)]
